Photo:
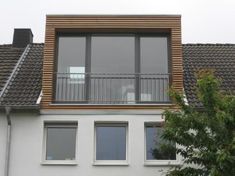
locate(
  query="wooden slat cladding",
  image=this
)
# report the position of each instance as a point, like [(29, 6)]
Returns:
[(109, 23)]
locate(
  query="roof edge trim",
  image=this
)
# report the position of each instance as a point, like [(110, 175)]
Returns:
[(39, 98)]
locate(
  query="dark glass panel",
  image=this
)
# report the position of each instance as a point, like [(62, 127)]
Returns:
[(156, 147), (111, 57), (154, 55), (60, 143), (111, 143)]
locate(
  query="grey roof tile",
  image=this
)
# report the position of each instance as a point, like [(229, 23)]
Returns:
[(9, 57), (219, 57), (25, 86)]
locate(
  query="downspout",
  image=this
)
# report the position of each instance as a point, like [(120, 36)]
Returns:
[(8, 142)]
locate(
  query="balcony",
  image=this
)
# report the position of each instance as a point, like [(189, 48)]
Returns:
[(111, 89)]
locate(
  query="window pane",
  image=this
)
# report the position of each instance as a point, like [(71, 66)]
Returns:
[(61, 143), (154, 54), (71, 52), (110, 142), (154, 59), (157, 148), (71, 69), (111, 55)]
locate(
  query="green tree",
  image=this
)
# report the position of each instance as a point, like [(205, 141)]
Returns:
[(205, 137)]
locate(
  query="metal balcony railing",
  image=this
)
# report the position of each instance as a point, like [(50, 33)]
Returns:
[(97, 88)]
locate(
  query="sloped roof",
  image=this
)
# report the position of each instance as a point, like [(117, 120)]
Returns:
[(25, 85), (9, 57), (219, 57)]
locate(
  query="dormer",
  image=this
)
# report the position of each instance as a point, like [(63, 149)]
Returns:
[(111, 61)]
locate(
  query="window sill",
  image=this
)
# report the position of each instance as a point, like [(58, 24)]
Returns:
[(110, 163), (162, 163), (130, 104), (59, 162)]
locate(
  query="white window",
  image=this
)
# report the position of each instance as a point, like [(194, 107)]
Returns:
[(111, 143), (60, 143), (157, 150)]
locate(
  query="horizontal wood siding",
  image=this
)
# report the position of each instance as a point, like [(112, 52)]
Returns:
[(153, 23)]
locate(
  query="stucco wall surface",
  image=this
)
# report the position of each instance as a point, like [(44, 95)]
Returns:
[(27, 146)]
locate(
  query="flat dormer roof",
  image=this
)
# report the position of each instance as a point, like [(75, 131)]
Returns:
[(115, 15)]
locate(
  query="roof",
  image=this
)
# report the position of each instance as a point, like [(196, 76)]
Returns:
[(24, 85), (9, 56), (219, 57)]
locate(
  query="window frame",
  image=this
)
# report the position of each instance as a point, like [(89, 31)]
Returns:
[(137, 61), (111, 162), (60, 124), (157, 162)]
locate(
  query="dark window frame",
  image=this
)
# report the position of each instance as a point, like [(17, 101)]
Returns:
[(137, 59)]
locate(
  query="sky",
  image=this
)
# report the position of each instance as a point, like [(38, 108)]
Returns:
[(203, 21)]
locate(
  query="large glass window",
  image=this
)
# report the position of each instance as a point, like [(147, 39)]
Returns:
[(60, 141), (156, 147), (112, 68), (111, 141)]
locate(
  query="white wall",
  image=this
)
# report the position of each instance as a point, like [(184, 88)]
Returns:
[(27, 142), (3, 129)]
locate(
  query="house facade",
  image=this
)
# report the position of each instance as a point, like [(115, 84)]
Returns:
[(111, 81), (89, 101), (104, 89)]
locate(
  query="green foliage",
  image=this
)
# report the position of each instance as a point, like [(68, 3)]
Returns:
[(166, 151), (205, 138)]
